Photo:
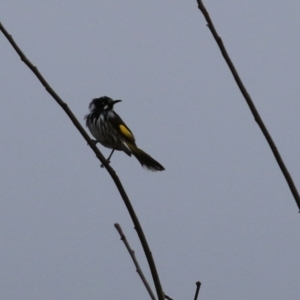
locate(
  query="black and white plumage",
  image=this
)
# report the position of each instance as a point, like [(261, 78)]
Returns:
[(109, 129)]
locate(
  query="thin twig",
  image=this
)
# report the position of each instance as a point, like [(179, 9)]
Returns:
[(99, 155), (198, 284), (167, 297), (132, 254), (251, 105)]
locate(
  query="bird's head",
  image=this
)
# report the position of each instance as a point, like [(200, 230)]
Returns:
[(102, 104)]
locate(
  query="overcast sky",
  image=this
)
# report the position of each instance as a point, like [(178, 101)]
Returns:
[(220, 213)]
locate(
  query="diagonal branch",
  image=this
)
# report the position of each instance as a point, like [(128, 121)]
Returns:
[(99, 155), (250, 103), (136, 263)]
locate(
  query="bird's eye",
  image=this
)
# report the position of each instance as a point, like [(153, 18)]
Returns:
[(106, 107)]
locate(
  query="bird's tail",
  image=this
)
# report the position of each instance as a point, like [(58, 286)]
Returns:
[(145, 159)]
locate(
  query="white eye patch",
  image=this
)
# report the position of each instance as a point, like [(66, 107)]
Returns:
[(106, 107)]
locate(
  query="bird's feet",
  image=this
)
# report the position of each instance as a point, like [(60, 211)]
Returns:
[(94, 142)]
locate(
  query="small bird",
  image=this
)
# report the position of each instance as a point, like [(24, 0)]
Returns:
[(109, 129)]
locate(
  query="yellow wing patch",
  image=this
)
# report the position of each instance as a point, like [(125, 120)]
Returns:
[(126, 132)]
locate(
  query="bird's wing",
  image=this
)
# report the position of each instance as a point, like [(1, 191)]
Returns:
[(122, 128)]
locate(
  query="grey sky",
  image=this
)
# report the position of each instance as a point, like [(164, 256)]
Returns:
[(221, 213)]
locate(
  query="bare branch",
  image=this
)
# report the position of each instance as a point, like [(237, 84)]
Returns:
[(167, 297), (132, 254), (251, 105), (99, 155), (198, 284)]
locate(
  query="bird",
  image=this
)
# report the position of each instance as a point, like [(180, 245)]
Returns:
[(109, 129)]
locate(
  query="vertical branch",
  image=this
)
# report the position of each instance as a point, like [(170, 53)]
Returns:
[(251, 105), (198, 285)]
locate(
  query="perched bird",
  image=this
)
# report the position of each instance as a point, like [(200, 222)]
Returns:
[(110, 130)]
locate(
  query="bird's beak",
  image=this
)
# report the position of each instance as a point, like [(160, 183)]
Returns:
[(116, 101)]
